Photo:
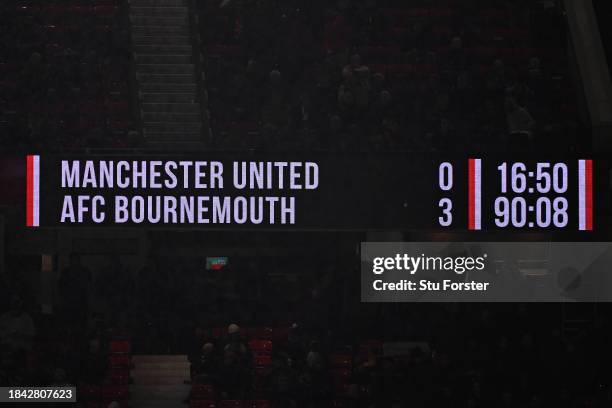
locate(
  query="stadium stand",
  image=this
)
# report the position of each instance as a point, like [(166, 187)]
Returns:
[(361, 75), (64, 75)]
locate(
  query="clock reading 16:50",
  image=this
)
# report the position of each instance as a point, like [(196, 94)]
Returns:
[(549, 178)]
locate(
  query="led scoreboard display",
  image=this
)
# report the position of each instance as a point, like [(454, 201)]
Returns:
[(399, 191), (486, 194)]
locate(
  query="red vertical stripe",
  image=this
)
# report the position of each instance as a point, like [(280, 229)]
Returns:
[(30, 191), (588, 192), (471, 197)]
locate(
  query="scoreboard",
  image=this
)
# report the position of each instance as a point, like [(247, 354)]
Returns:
[(523, 194), (318, 191)]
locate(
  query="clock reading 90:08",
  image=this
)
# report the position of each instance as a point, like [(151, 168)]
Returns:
[(522, 194), (548, 182)]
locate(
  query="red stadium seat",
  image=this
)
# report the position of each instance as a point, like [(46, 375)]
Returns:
[(263, 360), (260, 345), (381, 53), (230, 404), (119, 376), (118, 333), (120, 346), (220, 50), (115, 392), (203, 392), (28, 9), (341, 389), (442, 31), (119, 361), (341, 376), (122, 403), (105, 10), (202, 403), (82, 10), (8, 69), (441, 12), (374, 346), (89, 392), (265, 333), (257, 404), (341, 360), (281, 333), (499, 15), (54, 10)]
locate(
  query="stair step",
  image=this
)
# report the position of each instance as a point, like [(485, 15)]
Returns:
[(171, 107), (151, 137), (166, 78), (163, 59), (171, 392), (177, 146), (160, 358), (158, 3), (168, 11), (176, 127), (141, 39), (149, 377), (157, 404), (183, 69), (164, 97), (185, 117), (169, 88), (181, 29), (159, 21), (167, 49)]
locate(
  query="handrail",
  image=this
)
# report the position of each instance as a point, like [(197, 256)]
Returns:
[(194, 25), (133, 80)]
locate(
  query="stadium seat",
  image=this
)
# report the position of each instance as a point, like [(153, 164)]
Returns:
[(119, 361), (194, 403), (341, 376), (120, 346), (115, 392), (122, 403), (258, 345), (280, 333), (264, 333), (230, 404), (341, 360), (89, 392), (257, 404), (105, 10), (202, 392), (119, 376), (263, 360)]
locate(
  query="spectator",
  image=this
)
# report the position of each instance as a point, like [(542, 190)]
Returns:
[(74, 287), (520, 125), (17, 327)]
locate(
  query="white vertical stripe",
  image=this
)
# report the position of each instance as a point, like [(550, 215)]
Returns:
[(477, 194), (581, 195), (36, 191)]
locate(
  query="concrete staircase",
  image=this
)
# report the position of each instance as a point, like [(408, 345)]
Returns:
[(159, 382), (164, 59)]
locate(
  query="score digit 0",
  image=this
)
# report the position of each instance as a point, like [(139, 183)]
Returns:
[(445, 181)]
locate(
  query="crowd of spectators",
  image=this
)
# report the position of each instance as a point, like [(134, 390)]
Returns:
[(421, 75), (66, 346), (64, 75), (324, 347)]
